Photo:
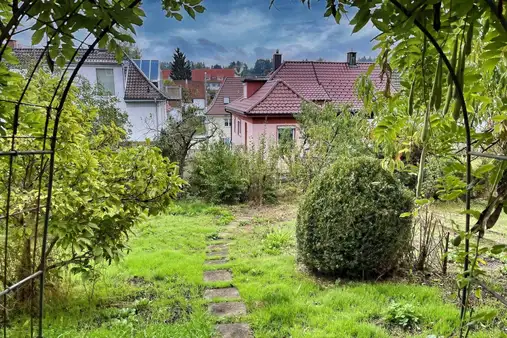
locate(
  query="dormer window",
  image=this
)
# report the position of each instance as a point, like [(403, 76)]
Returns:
[(226, 100)]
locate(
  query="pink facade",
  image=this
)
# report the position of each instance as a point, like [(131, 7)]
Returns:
[(249, 131)]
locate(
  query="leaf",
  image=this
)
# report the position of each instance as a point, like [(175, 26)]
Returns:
[(37, 37), (483, 169), (199, 9), (405, 214), (190, 11), (360, 19), (496, 249)]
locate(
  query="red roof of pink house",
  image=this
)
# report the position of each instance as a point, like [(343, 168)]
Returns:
[(274, 97), (212, 74), (310, 81), (166, 74), (231, 88)]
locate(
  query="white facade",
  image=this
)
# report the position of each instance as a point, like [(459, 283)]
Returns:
[(222, 124), (146, 117)]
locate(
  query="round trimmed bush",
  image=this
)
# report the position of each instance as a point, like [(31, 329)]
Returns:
[(349, 222)]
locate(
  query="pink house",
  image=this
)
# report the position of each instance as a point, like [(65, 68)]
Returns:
[(268, 106)]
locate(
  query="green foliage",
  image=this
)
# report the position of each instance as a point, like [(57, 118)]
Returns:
[(180, 67), (100, 190), (277, 240), (328, 132), (222, 174), (217, 174), (403, 315), (108, 113), (349, 222)]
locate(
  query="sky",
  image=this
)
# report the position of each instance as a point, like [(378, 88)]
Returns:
[(246, 30)]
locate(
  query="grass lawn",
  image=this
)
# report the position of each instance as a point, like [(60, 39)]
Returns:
[(157, 290)]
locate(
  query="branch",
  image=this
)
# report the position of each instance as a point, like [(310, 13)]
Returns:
[(497, 10)]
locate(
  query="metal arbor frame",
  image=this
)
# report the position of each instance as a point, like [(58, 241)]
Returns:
[(12, 151)]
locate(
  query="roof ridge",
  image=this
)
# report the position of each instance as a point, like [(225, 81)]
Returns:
[(144, 76), (320, 83), (216, 95)]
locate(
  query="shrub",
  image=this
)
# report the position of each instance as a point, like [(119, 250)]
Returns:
[(349, 222), (217, 174)]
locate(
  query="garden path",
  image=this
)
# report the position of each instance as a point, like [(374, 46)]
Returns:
[(225, 301)]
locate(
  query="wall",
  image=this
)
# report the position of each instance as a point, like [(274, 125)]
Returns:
[(259, 127), (250, 87), (89, 72), (218, 122), (147, 118)]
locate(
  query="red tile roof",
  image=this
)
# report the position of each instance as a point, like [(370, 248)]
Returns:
[(295, 81), (231, 88), (329, 81), (212, 74), (166, 74), (275, 97), (196, 88)]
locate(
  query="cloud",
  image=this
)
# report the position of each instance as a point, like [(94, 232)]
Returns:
[(247, 30)]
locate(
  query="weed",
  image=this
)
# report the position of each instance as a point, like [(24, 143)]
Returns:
[(403, 315), (276, 240)]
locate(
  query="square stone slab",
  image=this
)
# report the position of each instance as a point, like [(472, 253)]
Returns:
[(218, 276), (217, 247), (229, 293), (228, 309), (216, 261), (234, 331), (220, 253)]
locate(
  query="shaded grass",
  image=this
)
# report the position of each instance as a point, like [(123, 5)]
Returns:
[(156, 291), (284, 301)]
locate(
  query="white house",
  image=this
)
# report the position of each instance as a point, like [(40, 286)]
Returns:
[(145, 104)]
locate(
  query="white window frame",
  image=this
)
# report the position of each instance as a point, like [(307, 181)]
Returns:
[(278, 128), (227, 122), (107, 91), (227, 100), (239, 127)]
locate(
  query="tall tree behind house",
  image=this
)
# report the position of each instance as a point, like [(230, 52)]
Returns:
[(180, 66)]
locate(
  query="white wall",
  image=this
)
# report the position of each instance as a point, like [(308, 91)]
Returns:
[(218, 121), (147, 118), (89, 72)]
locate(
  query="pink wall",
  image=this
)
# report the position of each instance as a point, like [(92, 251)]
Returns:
[(258, 127)]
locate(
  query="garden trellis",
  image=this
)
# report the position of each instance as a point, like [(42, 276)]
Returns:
[(44, 147)]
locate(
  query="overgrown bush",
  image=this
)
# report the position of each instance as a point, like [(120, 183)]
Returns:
[(222, 174), (403, 315), (217, 174), (349, 222)]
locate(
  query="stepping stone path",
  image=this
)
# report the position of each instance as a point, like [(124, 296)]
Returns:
[(217, 254)]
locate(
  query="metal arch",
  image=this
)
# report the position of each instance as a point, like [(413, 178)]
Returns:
[(46, 168)]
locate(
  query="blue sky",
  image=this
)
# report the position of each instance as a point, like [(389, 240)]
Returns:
[(246, 30)]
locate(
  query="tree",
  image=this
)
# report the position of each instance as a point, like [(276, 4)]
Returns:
[(366, 59), (240, 68), (197, 65), (180, 67), (106, 105), (132, 50), (101, 190), (262, 67), (183, 133), (217, 66), (165, 65)]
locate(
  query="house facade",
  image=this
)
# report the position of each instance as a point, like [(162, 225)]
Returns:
[(269, 106), (137, 94), (230, 90)]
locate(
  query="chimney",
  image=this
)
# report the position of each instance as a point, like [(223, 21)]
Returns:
[(351, 59), (277, 60), (12, 44)]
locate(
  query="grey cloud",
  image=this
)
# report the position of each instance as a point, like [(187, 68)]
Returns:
[(212, 45)]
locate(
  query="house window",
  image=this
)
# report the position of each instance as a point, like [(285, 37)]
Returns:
[(286, 136), (239, 127), (227, 122), (226, 100), (105, 79)]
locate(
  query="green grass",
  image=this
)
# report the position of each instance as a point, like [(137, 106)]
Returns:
[(284, 301), (157, 290)]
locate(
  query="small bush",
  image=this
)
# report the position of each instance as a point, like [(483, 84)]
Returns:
[(349, 222), (403, 315), (217, 174)]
